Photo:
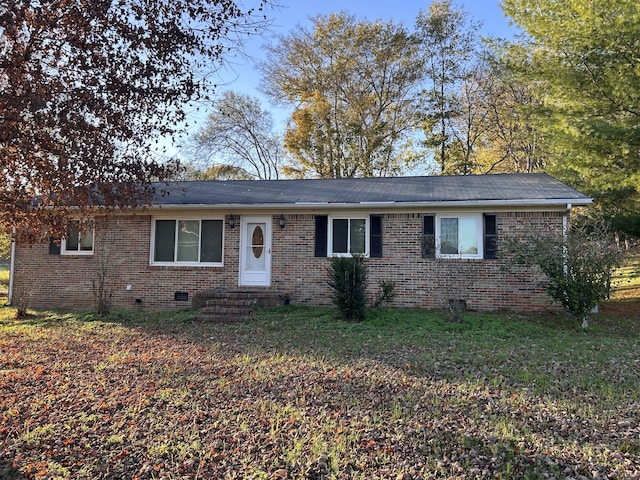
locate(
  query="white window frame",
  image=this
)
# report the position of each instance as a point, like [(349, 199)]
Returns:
[(90, 227), (350, 217), (479, 235), (177, 263)]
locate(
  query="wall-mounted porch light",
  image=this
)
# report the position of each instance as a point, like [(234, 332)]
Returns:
[(232, 221), (282, 221)]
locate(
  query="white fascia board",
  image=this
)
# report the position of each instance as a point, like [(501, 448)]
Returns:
[(557, 203)]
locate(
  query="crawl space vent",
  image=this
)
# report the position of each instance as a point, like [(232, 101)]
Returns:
[(181, 296)]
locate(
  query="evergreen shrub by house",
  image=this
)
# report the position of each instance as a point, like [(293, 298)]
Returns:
[(348, 282)]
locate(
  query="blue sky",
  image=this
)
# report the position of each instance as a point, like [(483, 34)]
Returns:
[(241, 76), (293, 13)]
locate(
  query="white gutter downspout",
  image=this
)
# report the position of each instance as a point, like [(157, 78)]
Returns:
[(565, 221), (12, 265), (565, 236)]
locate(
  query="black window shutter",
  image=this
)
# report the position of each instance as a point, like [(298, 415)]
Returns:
[(375, 236), (490, 235), (428, 236), (54, 246), (322, 222)]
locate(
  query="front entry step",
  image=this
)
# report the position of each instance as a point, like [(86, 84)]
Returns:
[(232, 306)]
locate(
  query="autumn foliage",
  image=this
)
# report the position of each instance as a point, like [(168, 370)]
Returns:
[(87, 87)]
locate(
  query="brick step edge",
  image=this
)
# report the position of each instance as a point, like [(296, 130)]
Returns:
[(231, 302), (223, 319), (226, 310)]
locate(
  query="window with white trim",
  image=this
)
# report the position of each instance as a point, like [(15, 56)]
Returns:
[(348, 236), (459, 236), (189, 242), (78, 241)]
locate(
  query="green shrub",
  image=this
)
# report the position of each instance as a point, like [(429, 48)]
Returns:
[(578, 266), (387, 293), (348, 281)]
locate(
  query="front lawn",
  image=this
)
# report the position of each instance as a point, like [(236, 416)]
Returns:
[(294, 393)]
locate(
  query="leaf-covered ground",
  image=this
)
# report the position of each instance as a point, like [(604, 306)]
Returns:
[(294, 393)]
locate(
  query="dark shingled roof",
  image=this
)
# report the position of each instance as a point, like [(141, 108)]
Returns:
[(482, 189)]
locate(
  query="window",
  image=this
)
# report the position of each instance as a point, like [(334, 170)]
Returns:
[(460, 236), (187, 242), (348, 235), (77, 241)]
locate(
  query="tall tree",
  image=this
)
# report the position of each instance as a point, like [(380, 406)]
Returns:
[(449, 40), (510, 140), (239, 135), (469, 126), (85, 88), (585, 57), (353, 85)]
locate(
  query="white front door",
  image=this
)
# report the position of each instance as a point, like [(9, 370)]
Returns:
[(255, 251)]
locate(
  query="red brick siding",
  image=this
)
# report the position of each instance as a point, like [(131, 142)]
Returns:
[(65, 281), (429, 283)]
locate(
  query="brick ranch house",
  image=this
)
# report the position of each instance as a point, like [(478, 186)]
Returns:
[(437, 238)]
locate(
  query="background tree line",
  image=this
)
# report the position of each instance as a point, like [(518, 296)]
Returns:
[(86, 90), (374, 98)]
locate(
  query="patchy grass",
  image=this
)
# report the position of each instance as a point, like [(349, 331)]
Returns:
[(294, 393)]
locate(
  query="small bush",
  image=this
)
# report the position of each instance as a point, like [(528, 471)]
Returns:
[(105, 276), (22, 295), (348, 281), (578, 266), (387, 293)]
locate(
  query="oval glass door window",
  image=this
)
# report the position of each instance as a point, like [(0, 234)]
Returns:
[(257, 241)]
